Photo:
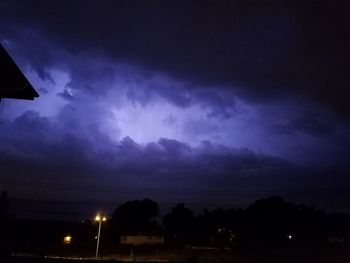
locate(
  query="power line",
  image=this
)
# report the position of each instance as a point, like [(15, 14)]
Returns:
[(170, 191), (104, 203), (47, 212), (89, 214)]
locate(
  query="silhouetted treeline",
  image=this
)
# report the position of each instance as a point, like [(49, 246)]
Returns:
[(134, 217), (4, 205), (269, 222)]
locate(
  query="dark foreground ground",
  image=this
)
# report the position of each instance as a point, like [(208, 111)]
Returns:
[(334, 254)]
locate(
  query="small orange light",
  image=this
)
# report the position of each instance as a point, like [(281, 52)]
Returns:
[(67, 239)]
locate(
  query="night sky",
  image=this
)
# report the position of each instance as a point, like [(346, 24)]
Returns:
[(211, 103)]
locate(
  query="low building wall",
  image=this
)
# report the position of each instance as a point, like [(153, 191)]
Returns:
[(141, 240)]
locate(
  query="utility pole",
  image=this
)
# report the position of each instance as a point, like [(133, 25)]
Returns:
[(99, 219)]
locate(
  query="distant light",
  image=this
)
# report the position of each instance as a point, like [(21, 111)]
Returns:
[(99, 218), (67, 239), (289, 237)]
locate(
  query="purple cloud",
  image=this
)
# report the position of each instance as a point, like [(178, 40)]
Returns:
[(238, 96)]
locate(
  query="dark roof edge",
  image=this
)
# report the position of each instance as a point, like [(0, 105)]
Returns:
[(26, 91)]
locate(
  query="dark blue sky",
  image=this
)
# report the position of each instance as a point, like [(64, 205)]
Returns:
[(206, 102)]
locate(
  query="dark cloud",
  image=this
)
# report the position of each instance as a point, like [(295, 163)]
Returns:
[(69, 160), (265, 49), (223, 103), (132, 87), (43, 90), (177, 96), (141, 96), (39, 53), (43, 146), (313, 124), (65, 95)]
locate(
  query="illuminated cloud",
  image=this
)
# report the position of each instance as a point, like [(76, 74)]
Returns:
[(237, 96)]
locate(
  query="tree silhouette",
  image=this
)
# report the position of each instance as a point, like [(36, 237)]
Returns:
[(136, 216), (219, 226), (4, 204), (179, 224), (4, 224), (271, 218)]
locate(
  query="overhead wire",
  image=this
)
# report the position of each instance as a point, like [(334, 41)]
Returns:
[(89, 205), (166, 191)]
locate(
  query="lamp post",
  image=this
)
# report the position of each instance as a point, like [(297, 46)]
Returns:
[(67, 240), (99, 219)]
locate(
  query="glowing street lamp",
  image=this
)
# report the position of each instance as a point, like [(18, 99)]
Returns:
[(67, 240), (99, 219)]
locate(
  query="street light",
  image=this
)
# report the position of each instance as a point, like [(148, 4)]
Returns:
[(67, 240), (99, 219)]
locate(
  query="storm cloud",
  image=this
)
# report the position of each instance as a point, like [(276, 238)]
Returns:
[(262, 49), (215, 95)]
